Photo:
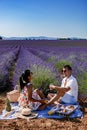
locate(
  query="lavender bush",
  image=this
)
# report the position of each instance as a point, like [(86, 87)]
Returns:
[(42, 77)]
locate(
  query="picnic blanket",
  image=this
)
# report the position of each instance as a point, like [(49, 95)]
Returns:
[(41, 114)]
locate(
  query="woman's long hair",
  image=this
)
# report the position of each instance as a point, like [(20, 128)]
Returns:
[(24, 78)]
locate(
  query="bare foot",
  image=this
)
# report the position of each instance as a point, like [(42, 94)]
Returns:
[(56, 102)]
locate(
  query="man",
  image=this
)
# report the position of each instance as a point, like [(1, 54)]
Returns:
[(68, 92)]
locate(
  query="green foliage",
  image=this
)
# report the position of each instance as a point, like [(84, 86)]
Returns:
[(8, 105), (82, 82), (11, 72), (42, 77), (51, 59), (59, 65)]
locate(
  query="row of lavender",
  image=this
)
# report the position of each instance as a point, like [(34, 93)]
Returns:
[(7, 60), (76, 55), (27, 60), (72, 54)]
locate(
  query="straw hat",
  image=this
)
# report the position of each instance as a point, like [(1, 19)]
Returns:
[(26, 111)]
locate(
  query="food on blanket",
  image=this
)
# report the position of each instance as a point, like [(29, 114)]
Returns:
[(62, 107), (26, 111), (51, 112), (8, 105), (71, 107), (64, 110)]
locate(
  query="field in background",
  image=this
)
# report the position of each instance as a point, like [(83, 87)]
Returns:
[(45, 58)]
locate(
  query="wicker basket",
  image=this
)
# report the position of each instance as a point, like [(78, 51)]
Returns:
[(13, 95)]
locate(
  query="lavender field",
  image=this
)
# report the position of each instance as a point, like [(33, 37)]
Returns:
[(45, 58)]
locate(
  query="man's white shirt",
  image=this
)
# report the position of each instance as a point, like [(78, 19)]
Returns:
[(72, 83)]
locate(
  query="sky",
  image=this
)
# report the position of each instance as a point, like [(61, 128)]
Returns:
[(51, 18)]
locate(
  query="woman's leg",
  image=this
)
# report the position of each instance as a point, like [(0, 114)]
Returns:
[(41, 107), (40, 93), (50, 96)]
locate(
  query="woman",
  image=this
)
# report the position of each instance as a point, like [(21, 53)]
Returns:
[(33, 99)]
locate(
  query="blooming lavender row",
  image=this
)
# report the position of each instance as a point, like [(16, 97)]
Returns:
[(45, 57), (77, 55), (6, 61), (26, 60), (7, 48)]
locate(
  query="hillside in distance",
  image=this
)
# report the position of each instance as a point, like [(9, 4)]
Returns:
[(50, 43), (30, 38), (41, 38)]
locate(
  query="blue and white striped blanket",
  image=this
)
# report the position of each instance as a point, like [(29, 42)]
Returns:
[(41, 114)]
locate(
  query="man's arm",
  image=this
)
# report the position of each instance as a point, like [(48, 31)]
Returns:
[(61, 92), (59, 88)]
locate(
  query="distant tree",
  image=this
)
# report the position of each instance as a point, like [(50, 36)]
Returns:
[(62, 38), (68, 39), (0, 38)]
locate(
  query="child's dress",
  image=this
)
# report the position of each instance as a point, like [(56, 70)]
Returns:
[(23, 99)]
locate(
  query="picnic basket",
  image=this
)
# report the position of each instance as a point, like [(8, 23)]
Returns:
[(13, 95)]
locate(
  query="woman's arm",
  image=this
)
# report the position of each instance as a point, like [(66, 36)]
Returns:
[(30, 91)]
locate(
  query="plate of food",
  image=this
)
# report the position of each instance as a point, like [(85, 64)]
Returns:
[(56, 108), (67, 110)]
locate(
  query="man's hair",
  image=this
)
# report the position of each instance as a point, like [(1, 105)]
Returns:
[(68, 67)]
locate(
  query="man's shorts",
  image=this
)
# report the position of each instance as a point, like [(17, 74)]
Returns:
[(68, 99)]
